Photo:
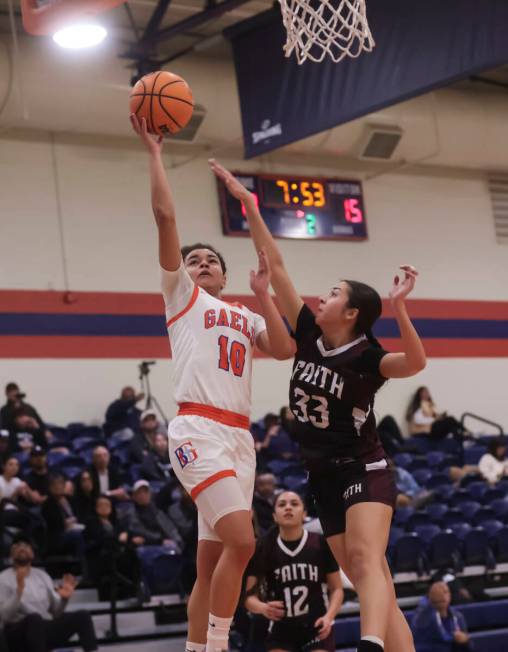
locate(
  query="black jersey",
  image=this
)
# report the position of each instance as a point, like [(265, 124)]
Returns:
[(295, 575), (332, 395)]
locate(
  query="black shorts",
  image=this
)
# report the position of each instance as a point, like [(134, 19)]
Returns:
[(335, 490), (297, 637)]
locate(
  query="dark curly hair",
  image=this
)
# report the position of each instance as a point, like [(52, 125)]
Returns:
[(185, 251)]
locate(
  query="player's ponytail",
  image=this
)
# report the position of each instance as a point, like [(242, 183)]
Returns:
[(369, 306)]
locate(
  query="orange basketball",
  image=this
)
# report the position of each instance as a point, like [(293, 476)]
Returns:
[(164, 100)]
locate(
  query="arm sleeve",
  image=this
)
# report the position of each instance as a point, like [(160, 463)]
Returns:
[(305, 323), (177, 289), (56, 603)]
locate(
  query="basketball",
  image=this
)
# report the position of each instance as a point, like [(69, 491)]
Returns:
[(164, 100)]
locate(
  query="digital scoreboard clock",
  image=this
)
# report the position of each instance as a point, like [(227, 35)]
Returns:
[(299, 207)]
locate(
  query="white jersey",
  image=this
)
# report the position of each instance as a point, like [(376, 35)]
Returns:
[(212, 343)]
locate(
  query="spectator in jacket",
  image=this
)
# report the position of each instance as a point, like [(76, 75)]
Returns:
[(33, 613), (493, 465), (147, 525), (156, 465), (107, 545), (262, 504), (84, 496), (144, 440), (14, 404), (65, 532), (122, 416), (26, 433), (438, 627), (106, 480)]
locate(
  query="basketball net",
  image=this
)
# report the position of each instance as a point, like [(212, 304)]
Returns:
[(319, 28), (39, 19)]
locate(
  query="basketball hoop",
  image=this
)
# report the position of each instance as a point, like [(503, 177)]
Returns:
[(317, 28), (50, 17)]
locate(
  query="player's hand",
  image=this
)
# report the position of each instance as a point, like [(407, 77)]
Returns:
[(324, 626), (238, 191), (274, 610), (152, 143), (260, 280), (401, 288)]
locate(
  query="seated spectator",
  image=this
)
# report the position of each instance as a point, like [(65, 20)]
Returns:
[(11, 486), (184, 515), (493, 465), (391, 437), (156, 465), (263, 501), (144, 440), (410, 493), (26, 433), (84, 496), (278, 443), (106, 548), (122, 416), (38, 476), (65, 532), (14, 404), (147, 525), (424, 418), (33, 612), (106, 480), (438, 627)]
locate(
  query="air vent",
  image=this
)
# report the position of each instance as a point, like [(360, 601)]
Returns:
[(498, 187), (189, 133), (379, 143)]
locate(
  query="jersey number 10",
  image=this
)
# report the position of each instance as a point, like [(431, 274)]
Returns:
[(231, 357)]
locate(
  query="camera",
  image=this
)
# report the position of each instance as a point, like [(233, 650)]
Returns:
[(144, 366)]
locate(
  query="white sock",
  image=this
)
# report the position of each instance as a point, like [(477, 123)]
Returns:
[(374, 639), (194, 647), (217, 637)]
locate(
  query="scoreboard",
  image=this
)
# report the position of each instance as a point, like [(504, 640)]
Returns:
[(308, 208)]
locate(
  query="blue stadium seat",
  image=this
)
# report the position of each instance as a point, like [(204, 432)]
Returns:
[(418, 518), (403, 460), (452, 516), (492, 527), (427, 532), (501, 545), (445, 552), (409, 555), (55, 458), (477, 489), (402, 514), (445, 492), (500, 507), (439, 460), (484, 514), (473, 454), (279, 467), (83, 443), (493, 493), (476, 548), (469, 508), (422, 476), (161, 569), (460, 529), (436, 511), (460, 496), (437, 480)]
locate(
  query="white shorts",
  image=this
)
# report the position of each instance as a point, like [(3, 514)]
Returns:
[(216, 464)]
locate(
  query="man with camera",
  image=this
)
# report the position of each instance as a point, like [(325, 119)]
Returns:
[(16, 415)]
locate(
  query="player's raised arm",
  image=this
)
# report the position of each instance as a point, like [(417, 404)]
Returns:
[(412, 359), (289, 300), (162, 200)]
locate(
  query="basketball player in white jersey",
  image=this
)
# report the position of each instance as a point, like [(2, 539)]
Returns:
[(210, 446)]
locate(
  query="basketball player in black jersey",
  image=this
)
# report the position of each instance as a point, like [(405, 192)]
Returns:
[(290, 570), (338, 368)]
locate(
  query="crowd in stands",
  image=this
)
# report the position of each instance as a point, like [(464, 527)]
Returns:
[(103, 498)]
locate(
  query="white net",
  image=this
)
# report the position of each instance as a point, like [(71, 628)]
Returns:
[(317, 28)]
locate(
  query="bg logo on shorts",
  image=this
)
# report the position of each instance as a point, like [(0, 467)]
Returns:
[(186, 454)]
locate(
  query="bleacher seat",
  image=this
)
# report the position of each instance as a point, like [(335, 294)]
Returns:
[(484, 514), (469, 508), (427, 532), (477, 489), (500, 507), (452, 516), (409, 555), (492, 527), (403, 460), (418, 518), (55, 458), (493, 493), (460, 529), (472, 454), (460, 496), (83, 443), (437, 480), (422, 476), (501, 545), (445, 551), (445, 492), (438, 459), (402, 515), (436, 511), (476, 548)]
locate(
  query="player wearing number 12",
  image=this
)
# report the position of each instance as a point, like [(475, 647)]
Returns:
[(339, 366), (210, 446)]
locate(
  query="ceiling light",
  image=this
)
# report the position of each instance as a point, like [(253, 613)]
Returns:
[(80, 36)]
